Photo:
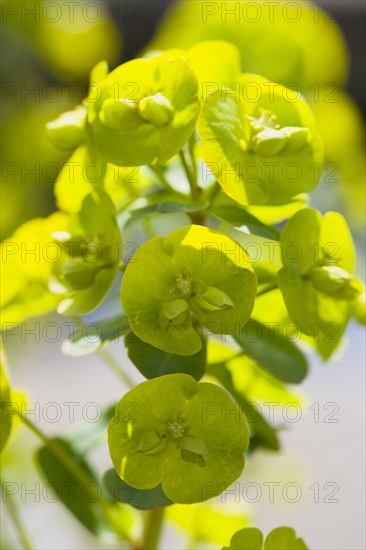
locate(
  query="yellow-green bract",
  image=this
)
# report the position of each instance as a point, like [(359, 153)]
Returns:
[(189, 436), (192, 277), (27, 260), (316, 280), (5, 398), (91, 248), (281, 538), (144, 111), (259, 140)]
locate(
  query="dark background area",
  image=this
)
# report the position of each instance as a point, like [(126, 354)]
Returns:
[(138, 28)]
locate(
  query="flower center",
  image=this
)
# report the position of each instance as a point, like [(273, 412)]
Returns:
[(184, 284), (177, 429), (268, 138), (266, 119)]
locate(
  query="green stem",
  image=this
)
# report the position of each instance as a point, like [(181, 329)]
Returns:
[(268, 288), (149, 227), (191, 144), (161, 178), (153, 524), (77, 471), (18, 524), (112, 363), (195, 190), (106, 356), (213, 191), (56, 450)]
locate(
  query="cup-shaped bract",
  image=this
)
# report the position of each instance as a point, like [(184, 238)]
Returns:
[(316, 280), (68, 130), (80, 175), (192, 277), (189, 436), (144, 111), (215, 62), (91, 249), (260, 142), (27, 260)]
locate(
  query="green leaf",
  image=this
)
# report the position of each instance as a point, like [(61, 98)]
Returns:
[(262, 434), (248, 378), (153, 362), (89, 338), (273, 352), (138, 498), (177, 268), (228, 210), (146, 111), (5, 398), (81, 498), (178, 410), (169, 207)]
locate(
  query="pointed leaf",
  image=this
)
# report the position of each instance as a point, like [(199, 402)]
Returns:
[(273, 352)]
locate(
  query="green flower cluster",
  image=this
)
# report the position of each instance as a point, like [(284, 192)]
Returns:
[(90, 251), (143, 112), (180, 433), (316, 280), (194, 277)]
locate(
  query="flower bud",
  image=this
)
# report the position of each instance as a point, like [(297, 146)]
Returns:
[(67, 131), (120, 115), (213, 299), (78, 274), (269, 142), (174, 312), (156, 109), (331, 279), (297, 138), (151, 444), (194, 450)]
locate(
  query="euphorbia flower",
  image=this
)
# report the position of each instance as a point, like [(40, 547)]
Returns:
[(188, 436), (193, 277)]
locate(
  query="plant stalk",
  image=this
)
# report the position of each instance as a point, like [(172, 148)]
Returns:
[(153, 525), (161, 178), (112, 363), (195, 190), (18, 524), (57, 450)]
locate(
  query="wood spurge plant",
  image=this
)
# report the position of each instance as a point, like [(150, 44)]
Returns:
[(199, 171)]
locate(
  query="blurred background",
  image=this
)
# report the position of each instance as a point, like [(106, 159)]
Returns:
[(48, 50)]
